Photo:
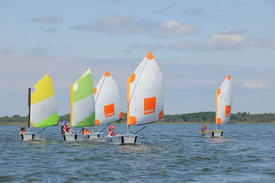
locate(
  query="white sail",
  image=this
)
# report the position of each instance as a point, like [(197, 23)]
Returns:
[(145, 93), (108, 103), (224, 102)]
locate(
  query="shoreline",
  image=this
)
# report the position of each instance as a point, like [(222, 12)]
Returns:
[(159, 122)]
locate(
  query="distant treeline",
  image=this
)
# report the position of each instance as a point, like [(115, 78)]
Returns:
[(208, 117)]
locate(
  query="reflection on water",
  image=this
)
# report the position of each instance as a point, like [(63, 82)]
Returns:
[(165, 153)]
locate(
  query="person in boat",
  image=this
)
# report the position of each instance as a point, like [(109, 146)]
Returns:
[(204, 128), (111, 131), (22, 130), (64, 128), (85, 131)]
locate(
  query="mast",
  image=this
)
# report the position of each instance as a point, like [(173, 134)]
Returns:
[(29, 104)]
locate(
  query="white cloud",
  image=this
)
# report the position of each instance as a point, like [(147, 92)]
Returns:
[(224, 41), (46, 19), (173, 28), (255, 85)]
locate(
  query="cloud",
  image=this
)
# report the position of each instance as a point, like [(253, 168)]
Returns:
[(51, 30), (255, 85), (45, 19), (164, 9), (193, 11), (266, 42), (121, 25), (116, 24), (173, 28), (224, 41)]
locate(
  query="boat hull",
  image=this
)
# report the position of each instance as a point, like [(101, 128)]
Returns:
[(28, 136), (122, 139), (75, 137), (212, 133)]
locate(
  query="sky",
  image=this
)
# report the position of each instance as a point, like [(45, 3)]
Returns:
[(195, 42)]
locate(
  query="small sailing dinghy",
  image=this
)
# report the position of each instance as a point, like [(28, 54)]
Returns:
[(82, 106), (108, 103), (145, 97), (223, 107), (42, 107)]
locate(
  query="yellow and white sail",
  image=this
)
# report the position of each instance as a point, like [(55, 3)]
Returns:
[(107, 100), (224, 102), (43, 110), (82, 101), (145, 93)]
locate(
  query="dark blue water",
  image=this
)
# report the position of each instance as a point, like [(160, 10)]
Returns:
[(165, 153)]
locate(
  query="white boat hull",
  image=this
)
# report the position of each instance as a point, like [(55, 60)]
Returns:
[(121, 139), (212, 133), (75, 137), (28, 136)]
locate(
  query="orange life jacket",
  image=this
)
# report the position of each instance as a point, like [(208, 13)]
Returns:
[(85, 132)]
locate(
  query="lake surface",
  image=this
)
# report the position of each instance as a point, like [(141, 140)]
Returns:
[(165, 153)]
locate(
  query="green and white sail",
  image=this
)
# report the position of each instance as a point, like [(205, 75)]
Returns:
[(43, 110), (82, 101)]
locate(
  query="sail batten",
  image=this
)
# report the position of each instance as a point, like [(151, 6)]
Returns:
[(82, 101), (224, 102), (43, 110), (145, 93), (108, 101)]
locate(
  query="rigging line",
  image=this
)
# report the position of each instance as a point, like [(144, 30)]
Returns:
[(146, 123), (140, 130), (42, 130), (104, 128), (137, 81), (100, 89)]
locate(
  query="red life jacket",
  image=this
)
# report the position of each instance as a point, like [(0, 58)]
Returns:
[(23, 131), (66, 128), (111, 133)]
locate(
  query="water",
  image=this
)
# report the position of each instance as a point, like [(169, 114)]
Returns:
[(165, 153)]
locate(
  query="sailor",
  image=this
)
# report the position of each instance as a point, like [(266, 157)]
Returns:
[(22, 130), (85, 131), (64, 128), (111, 131), (204, 128)]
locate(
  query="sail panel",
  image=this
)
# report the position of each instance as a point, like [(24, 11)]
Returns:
[(224, 102), (108, 101), (82, 101), (145, 93), (43, 111)]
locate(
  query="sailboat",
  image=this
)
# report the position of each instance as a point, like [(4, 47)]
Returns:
[(108, 103), (145, 98), (223, 107), (42, 107), (82, 106)]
